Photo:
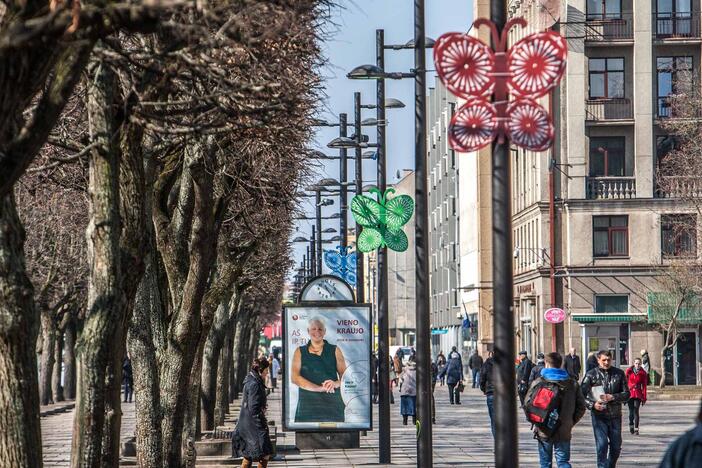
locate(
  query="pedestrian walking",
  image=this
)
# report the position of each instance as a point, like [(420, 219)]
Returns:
[(554, 404), (397, 362), (441, 362), (536, 370), (275, 370), (591, 362), (434, 378), (127, 379), (523, 372), (475, 363), (454, 376), (571, 364), (374, 376), (393, 380), (686, 450), (408, 391), (605, 389), (646, 364), (637, 381), (251, 439), (488, 388)]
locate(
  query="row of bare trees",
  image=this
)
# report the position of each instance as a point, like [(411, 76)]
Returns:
[(150, 154)]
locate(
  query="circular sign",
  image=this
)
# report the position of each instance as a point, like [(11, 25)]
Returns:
[(555, 315)]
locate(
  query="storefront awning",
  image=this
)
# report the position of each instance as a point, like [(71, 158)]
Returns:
[(592, 318), (662, 307)]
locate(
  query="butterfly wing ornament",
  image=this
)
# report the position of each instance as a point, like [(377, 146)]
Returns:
[(342, 263), (382, 220), (527, 71)]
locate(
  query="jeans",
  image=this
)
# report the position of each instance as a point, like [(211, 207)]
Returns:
[(454, 394), (476, 378), (634, 406), (608, 436), (491, 412), (561, 450)]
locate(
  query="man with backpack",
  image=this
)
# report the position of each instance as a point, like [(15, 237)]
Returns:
[(605, 389), (554, 404)]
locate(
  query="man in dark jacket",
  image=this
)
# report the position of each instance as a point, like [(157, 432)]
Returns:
[(571, 364), (686, 450), (475, 363), (605, 389), (536, 370), (571, 410), (591, 362), (488, 388), (523, 371), (454, 374)]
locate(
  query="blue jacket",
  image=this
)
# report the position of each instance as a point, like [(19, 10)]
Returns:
[(453, 370)]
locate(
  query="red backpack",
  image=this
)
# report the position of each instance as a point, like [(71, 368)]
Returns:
[(542, 405)]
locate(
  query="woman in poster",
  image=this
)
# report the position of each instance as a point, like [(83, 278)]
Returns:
[(317, 368)]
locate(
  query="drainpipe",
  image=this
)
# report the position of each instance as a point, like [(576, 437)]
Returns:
[(552, 230)]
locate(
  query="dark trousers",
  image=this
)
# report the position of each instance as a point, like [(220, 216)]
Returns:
[(634, 406), (608, 438), (454, 394), (476, 378), (491, 411), (128, 390)]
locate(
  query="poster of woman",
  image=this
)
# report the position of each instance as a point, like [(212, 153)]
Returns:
[(328, 361)]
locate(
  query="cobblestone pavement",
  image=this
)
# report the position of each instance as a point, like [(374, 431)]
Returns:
[(462, 438)]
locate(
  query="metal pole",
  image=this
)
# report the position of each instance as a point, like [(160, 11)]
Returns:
[(313, 252), (424, 443), (381, 282), (318, 209), (360, 292), (343, 176), (506, 442), (308, 269)]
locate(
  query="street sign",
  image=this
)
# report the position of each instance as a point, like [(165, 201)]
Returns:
[(554, 315), (439, 332)]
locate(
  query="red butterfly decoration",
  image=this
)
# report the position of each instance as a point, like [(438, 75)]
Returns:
[(527, 71)]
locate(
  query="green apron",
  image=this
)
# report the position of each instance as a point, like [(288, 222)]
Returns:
[(315, 406)]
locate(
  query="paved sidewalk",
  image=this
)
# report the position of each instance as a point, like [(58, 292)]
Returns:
[(462, 437)]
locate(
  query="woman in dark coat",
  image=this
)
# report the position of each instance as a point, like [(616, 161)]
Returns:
[(251, 439)]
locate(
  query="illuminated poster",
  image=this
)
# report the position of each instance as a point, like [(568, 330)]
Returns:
[(327, 368)]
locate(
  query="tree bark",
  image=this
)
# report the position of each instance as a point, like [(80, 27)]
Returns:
[(211, 355), (69, 361), (56, 387), (105, 283), (236, 349), (223, 371), (46, 364), (20, 435)]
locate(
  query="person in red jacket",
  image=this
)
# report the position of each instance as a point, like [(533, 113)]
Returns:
[(637, 379)]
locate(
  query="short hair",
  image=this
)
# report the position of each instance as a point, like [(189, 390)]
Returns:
[(260, 364), (638, 359), (604, 352), (553, 359), (318, 320)]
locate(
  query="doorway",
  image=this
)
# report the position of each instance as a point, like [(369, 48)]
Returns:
[(686, 358)]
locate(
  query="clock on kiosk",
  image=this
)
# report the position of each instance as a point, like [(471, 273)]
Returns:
[(326, 288)]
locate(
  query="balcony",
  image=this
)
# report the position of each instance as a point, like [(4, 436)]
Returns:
[(606, 30), (677, 27), (610, 188), (679, 187), (607, 110)]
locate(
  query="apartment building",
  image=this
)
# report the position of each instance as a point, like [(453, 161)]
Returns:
[(591, 226)]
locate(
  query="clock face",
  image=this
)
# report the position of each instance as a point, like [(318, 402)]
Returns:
[(327, 288)]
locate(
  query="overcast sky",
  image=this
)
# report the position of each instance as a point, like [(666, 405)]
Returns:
[(352, 43)]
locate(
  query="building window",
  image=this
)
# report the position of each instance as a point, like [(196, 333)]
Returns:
[(678, 235), (604, 9), (610, 236), (606, 78), (607, 157), (610, 304), (673, 18), (674, 77)]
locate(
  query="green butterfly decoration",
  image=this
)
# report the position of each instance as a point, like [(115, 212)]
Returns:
[(382, 220)]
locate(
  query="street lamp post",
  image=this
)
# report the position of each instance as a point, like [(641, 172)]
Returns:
[(360, 293), (313, 252), (424, 445), (343, 176), (318, 215), (506, 442)]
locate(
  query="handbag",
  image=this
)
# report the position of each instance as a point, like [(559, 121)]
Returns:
[(460, 387)]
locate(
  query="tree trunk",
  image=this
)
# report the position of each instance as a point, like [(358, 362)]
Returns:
[(56, 387), (665, 348), (95, 344), (69, 361), (46, 364), (20, 435), (223, 370), (236, 349), (211, 354)]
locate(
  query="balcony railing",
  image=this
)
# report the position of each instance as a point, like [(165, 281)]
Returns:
[(608, 109), (679, 187), (609, 29), (676, 26), (610, 188)]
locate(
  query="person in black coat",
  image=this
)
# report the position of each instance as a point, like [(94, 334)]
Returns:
[(454, 375), (571, 364), (686, 450), (523, 372), (591, 362), (488, 388), (127, 379), (536, 370), (251, 439)]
